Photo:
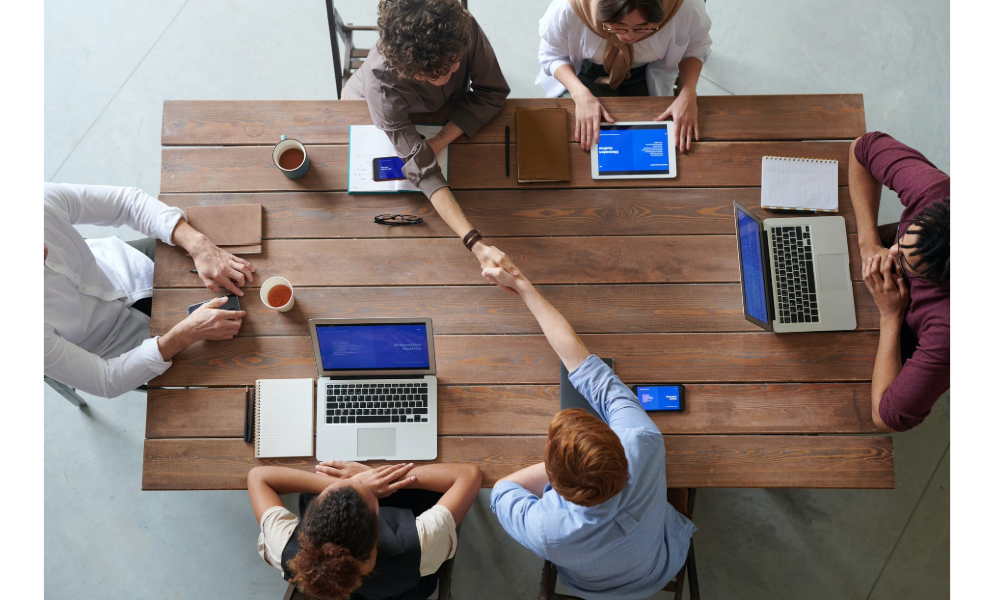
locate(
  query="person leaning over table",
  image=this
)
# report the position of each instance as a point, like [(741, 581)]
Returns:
[(906, 268), (602, 48), (432, 53), (597, 507), (362, 535), (98, 292)]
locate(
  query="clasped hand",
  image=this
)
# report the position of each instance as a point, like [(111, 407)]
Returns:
[(382, 481), (888, 289)]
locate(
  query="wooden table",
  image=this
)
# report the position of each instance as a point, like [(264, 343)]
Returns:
[(645, 270)]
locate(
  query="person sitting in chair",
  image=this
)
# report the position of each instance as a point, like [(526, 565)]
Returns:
[(361, 534), (597, 507)]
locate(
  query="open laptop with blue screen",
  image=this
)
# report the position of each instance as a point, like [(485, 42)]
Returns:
[(376, 396), (637, 150), (795, 273)]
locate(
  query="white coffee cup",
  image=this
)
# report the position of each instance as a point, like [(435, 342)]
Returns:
[(269, 285)]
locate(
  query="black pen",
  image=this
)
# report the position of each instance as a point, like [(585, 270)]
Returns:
[(506, 148)]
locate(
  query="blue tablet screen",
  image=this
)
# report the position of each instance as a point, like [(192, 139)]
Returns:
[(633, 150)]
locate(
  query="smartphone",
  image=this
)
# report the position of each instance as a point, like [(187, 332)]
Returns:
[(388, 168), (660, 397), (232, 303)]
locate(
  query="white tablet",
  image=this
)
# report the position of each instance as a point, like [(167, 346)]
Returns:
[(638, 150)]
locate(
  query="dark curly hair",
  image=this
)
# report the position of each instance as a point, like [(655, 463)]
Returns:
[(933, 247), (423, 37), (338, 535)]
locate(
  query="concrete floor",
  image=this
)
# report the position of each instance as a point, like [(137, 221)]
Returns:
[(109, 65)]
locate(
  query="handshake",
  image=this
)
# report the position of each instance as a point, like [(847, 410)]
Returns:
[(499, 269)]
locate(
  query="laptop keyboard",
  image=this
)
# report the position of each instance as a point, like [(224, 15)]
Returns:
[(404, 402), (792, 259)]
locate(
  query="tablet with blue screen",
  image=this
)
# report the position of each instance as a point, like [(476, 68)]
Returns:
[(640, 150)]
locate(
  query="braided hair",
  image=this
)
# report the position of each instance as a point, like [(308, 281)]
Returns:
[(933, 246)]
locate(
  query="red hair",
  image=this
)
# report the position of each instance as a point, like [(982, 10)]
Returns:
[(584, 458)]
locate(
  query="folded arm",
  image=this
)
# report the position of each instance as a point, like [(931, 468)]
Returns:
[(266, 485), (72, 365)]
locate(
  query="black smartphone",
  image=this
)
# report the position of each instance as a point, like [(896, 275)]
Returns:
[(388, 168), (232, 303), (660, 397)]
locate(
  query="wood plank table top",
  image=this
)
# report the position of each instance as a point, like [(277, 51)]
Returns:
[(645, 270)]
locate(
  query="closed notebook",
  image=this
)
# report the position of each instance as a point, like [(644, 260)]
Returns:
[(569, 397), (807, 184), (283, 420), (236, 228), (542, 144)]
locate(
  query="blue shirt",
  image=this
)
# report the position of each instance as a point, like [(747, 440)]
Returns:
[(631, 545)]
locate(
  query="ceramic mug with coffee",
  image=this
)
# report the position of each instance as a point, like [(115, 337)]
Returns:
[(290, 157), (277, 293)]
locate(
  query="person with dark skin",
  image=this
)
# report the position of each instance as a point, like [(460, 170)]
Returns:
[(906, 268)]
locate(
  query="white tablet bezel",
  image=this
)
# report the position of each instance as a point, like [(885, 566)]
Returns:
[(672, 156)]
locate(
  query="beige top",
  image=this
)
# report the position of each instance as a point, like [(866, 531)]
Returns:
[(436, 531)]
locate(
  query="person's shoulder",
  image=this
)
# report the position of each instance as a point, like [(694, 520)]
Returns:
[(560, 13)]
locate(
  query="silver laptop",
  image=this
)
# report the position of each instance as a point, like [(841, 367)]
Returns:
[(795, 272), (376, 397)]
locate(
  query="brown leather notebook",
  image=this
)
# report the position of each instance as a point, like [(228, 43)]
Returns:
[(236, 228), (542, 144)]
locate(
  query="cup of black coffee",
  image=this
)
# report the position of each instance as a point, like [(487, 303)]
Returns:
[(290, 157)]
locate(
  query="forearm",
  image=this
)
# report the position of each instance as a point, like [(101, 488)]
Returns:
[(450, 212), (866, 193), (266, 484), (189, 238), (173, 341), (557, 330), (567, 76), (888, 364), (690, 71), (450, 133), (533, 478), (458, 482)]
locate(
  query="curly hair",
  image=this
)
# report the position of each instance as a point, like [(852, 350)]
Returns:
[(584, 458), (423, 37), (933, 246), (338, 535)]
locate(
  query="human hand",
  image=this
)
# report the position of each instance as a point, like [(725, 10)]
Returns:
[(216, 267), (589, 113), (491, 256), (876, 250), (684, 110), (207, 322), (385, 480), (341, 469), (506, 281), (887, 287)]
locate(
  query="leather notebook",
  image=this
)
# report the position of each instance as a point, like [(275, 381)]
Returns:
[(542, 144), (237, 228)]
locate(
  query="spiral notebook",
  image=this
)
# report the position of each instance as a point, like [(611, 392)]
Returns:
[(791, 183), (283, 421)]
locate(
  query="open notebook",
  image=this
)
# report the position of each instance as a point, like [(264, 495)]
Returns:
[(284, 418), (789, 183), (368, 142)]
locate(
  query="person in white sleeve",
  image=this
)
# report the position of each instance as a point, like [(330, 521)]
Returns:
[(601, 48), (98, 292)]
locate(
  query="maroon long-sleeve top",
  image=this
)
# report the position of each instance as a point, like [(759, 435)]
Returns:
[(926, 374)]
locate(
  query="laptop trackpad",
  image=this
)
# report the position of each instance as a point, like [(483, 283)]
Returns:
[(832, 272), (377, 442)]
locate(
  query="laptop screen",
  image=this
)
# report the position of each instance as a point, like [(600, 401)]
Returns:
[(752, 266), (367, 347), (633, 150)]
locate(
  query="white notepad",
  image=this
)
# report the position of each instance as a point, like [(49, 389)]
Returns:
[(799, 184), (284, 418), (368, 142)]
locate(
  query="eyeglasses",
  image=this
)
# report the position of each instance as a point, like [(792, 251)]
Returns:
[(635, 30), (903, 263), (388, 219)]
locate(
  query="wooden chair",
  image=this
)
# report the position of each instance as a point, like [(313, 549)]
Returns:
[(66, 392), (444, 584), (681, 499), (352, 59)]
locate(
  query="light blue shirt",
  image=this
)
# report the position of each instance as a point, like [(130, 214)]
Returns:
[(628, 547)]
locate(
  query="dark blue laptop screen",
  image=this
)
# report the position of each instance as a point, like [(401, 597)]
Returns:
[(373, 347), (633, 150), (754, 295)]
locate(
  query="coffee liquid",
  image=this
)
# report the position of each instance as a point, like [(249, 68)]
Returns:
[(291, 159), (279, 295)]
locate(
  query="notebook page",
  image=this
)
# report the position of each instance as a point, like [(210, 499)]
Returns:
[(285, 417), (368, 142), (799, 184)]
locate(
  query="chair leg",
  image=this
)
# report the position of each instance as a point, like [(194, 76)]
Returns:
[(335, 47), (66, 392), (679, 583), (444, 581), (692, 570)]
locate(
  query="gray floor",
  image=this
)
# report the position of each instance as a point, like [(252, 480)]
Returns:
[(109, 65)]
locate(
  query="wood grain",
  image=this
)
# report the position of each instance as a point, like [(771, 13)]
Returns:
[(726, 118), (474, 167), (520, 359), (505, 213), (691, 461), (527, 409), (641, 308), (565, 260)]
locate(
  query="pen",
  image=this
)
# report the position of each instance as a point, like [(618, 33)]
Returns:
[(506, 149), (195, 271)]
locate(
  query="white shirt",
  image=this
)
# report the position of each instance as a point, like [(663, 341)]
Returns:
[(436, 531), (93, 341), (566, 40)]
